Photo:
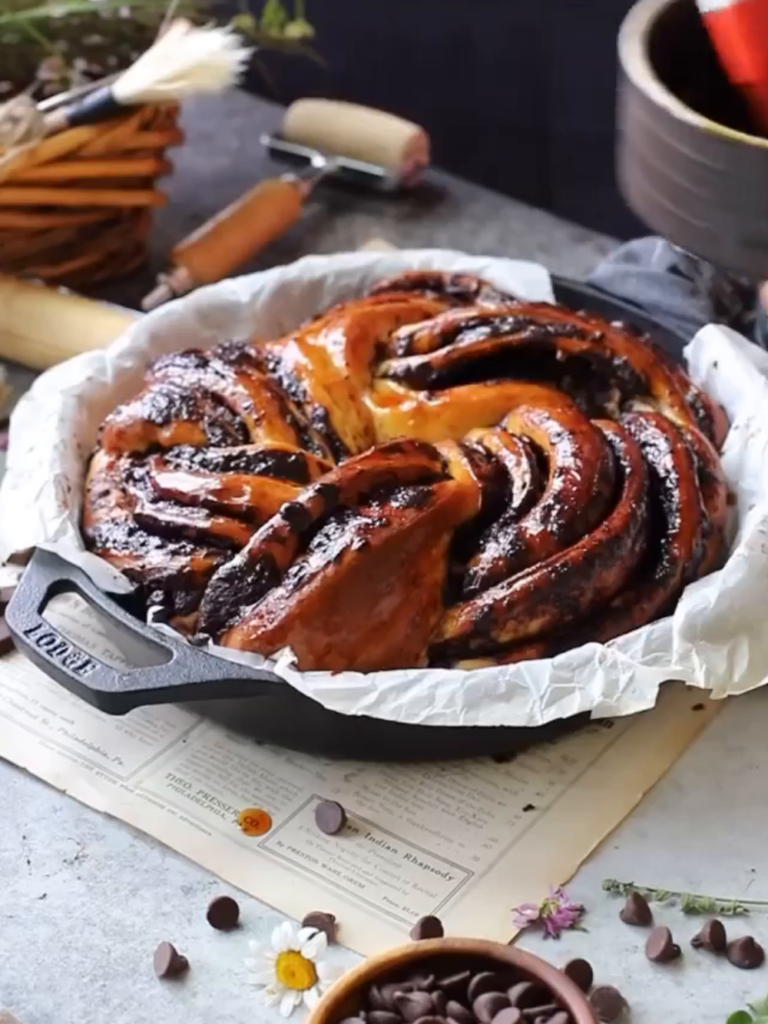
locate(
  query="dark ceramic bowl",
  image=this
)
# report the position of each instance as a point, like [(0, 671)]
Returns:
[(688, 163), (450, 955)]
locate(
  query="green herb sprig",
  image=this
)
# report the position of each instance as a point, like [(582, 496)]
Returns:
[(689, 902), (275, 24), (756, 1014), (56, 44)]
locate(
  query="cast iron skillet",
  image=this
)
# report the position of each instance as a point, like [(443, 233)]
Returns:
[(249, 701)]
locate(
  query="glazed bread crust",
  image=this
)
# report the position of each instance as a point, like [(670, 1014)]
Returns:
[(431, 474)]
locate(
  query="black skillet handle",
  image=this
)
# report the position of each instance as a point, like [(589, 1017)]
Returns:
[(186, 673)]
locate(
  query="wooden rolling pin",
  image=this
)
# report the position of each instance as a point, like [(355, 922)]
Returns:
[(228, 240), (386, 151), (42, 326), (360, 133)]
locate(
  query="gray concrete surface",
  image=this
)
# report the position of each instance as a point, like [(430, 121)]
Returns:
[(84, 899)]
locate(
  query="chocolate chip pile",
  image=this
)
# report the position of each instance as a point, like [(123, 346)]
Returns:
[(455, 991), (660, 948)]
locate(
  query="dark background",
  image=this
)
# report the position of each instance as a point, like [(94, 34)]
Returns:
[(516, 94)]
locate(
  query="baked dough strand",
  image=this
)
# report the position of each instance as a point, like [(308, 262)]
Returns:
[(431, 474)]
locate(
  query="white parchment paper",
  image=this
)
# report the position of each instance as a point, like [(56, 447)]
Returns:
[(716, 640)]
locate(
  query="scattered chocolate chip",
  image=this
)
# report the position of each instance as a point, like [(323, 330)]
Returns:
[(459, 1014), (486, 1006), (454, 983), (383, 1017), (526, 994), (712, 937), (485, 981), (529, 807), (509, 1015), (323, 922), (428, 927), (636, 911), (697, 707), (168, 962), (660, 947), (330, 817), (223, 913), (608, 1003), (745, 953), (580, 972), (413, 1005)]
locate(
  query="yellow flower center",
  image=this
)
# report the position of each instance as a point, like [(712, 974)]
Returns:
[(295, 971)]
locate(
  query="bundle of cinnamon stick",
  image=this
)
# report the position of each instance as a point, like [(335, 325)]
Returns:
[(75, 208)]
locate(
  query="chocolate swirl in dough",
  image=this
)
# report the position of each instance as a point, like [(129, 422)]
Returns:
[(434, 473)]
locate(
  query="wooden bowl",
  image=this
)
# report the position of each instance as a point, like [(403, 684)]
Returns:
[(346, 996), (688, 162)]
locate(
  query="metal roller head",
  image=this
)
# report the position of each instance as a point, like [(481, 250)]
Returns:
[(375, 149), (351, 172)]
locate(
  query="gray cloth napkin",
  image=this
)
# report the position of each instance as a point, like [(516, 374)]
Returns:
[(679, 289)]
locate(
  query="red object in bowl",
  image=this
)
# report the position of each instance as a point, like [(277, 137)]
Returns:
[(739, 33)]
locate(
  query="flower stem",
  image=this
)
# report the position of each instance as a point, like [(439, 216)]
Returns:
[(35, 34), (690, 902)]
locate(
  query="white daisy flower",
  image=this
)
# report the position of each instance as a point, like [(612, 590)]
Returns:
[(292, 970)]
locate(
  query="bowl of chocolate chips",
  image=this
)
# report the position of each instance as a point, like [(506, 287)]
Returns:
[(454, 981)]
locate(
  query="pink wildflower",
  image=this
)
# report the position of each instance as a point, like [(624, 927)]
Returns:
[(555, 913)]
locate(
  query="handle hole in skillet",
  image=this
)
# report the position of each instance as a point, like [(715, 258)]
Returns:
[(81, 623)]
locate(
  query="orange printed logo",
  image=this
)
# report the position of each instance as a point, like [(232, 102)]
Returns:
[(254, 821)]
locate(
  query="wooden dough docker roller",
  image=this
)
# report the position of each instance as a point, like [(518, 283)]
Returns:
[(329, 139)]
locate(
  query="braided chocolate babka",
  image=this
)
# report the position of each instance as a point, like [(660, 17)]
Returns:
[(434, 474)]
